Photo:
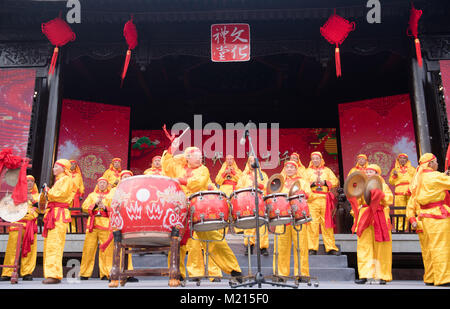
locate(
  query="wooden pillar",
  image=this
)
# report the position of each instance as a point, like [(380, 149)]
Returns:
[(419, 106), (52, 125)]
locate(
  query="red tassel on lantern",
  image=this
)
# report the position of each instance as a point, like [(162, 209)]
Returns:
[(413, 31), (130, 34), (59, 34), (335, 31)]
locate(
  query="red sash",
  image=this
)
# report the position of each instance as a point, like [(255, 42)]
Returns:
[(76, 203), (30, 230), (330, 204), (375, 216), (49, 219), (440, 204)]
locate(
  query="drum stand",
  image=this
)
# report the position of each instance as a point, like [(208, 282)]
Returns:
[(16, 266), (299, 278), (120, 275), (249, 274), (206, 262), (259, 278)]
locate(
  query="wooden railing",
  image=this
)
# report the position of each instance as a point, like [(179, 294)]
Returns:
[(77, 226)]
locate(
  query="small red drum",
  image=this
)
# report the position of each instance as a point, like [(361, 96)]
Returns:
[(278, 209), (243, 208), (209, 210), (146, 208), (300, 209)]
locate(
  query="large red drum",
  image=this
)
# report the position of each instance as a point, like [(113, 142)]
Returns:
[(243, 208), (209, 210), (278, 209), (300, 209), (146, 208)]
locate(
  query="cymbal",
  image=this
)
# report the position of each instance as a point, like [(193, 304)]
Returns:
[(11, 212), (374, 182), (355, 184)]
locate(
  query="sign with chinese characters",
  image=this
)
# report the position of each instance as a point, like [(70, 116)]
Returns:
[(230, 42)]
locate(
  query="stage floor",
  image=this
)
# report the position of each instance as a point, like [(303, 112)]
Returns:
[(151, 283)]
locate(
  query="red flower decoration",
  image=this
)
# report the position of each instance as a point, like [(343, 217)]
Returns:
[(59, 34), (335, 31), (413, 31)]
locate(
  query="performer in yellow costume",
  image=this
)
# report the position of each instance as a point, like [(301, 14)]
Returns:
[(227, 179), (113, 172), (361, 164), (77, 178), (123, 175), (400, 177), (289, 237), (247, 181), (29, 243), (56, 219), (228, 175), (98, 232), (193, 177), (374, 242), (429, 189), (321, 204), (155, 169)]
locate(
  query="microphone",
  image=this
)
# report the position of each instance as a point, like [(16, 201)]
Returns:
[(242, 141)]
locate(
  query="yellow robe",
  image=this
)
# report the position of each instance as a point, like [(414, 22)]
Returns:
[(401, 184), (284, 242), (246, 181), (100, 233), (113, 176), (436, 223), (375, 258), (61, 192), (317, 206), (412, 213), (28, 263), (198, 180)]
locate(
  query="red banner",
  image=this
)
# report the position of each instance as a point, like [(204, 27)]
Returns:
[(445, 77), (16, 102), (93, 134), (230, 42), (146, 144), (380, 128)]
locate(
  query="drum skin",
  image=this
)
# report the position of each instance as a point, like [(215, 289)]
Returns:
[(278, 209), (146, 208), (209, 209), (243, 208)]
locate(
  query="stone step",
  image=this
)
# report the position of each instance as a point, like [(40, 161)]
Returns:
[(323, 267)]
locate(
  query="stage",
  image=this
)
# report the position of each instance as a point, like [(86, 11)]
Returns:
[(162, 283)]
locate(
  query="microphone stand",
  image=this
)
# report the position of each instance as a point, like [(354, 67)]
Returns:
[(259, 278)]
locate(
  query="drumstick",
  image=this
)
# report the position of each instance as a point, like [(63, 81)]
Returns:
[(185, 130)]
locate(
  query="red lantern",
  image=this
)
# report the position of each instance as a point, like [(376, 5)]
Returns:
[(335, 31), (131, 36), (59, 34), (413, 31)]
